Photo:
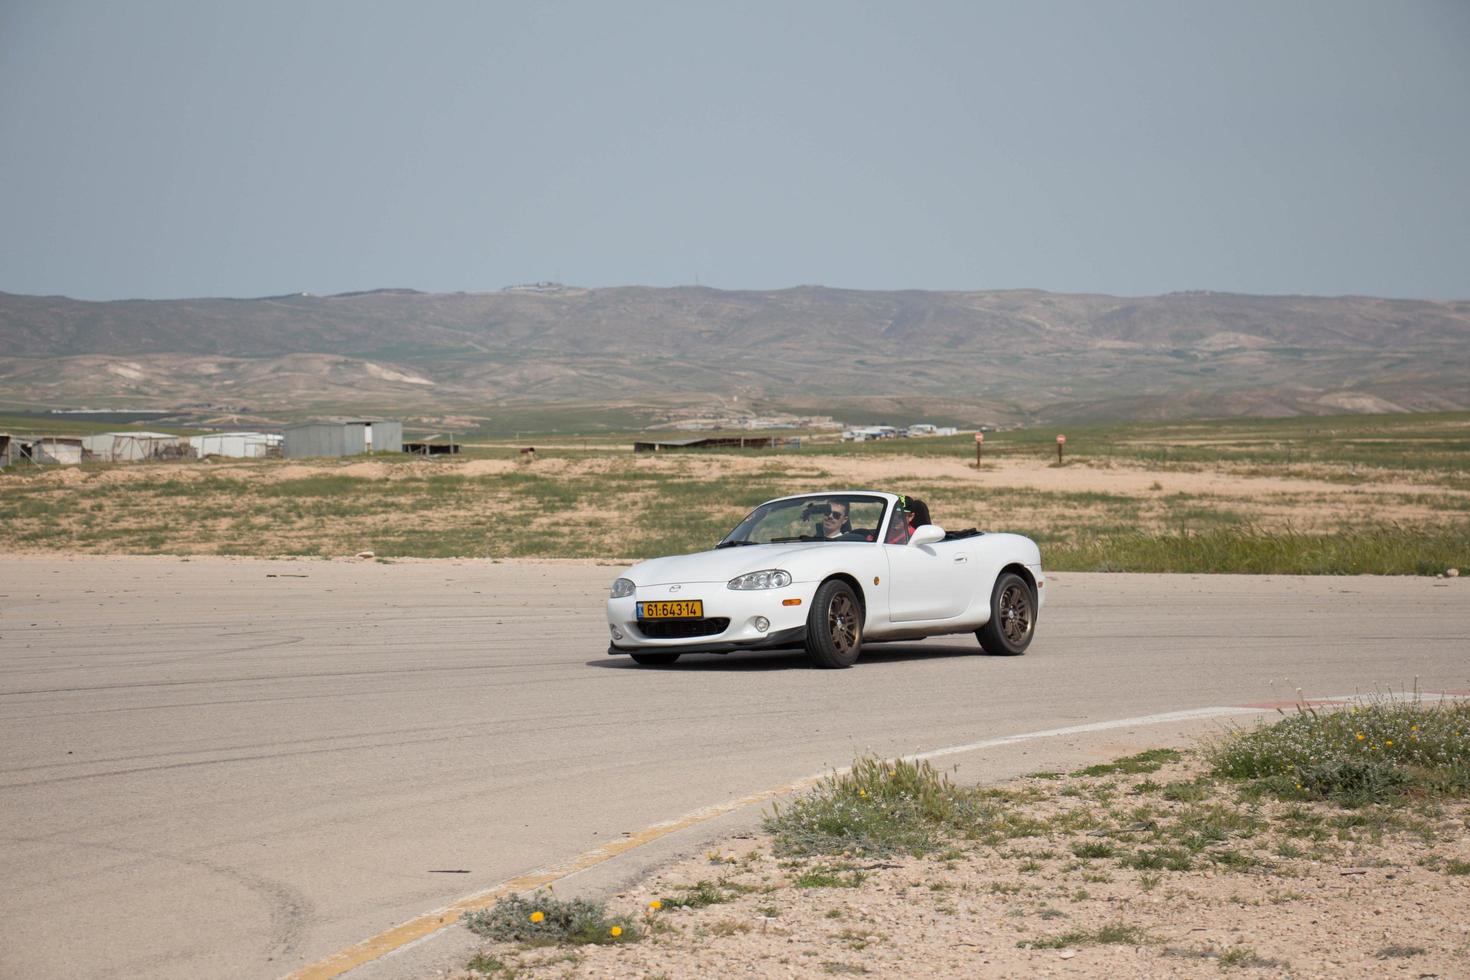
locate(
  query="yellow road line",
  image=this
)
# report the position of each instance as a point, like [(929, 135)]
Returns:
[(401, 935)]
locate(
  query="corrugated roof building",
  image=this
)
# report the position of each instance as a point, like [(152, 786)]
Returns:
[(237, 445), (117, 447), (66, 450), (343, 438)]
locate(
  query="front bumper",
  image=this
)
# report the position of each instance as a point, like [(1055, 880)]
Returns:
[(783, 639), (743, 611)]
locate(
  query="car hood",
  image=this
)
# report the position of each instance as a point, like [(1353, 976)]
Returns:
[(725, 563)]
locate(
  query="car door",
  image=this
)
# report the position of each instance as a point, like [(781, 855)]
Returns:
[(928, 581)]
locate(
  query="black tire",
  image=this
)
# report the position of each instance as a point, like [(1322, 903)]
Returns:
[(1012, 617), (654, 659), (834, 627)]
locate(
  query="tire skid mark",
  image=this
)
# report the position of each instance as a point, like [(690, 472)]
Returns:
[(116, 661), (179, 705), (368, 741), (221, 702), (258, 757), (257, 678), (281, 640), (289, 909)]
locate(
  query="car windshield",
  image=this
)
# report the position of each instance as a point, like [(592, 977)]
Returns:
[(818, 517)]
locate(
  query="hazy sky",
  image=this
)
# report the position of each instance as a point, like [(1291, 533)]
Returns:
[(154, 149)]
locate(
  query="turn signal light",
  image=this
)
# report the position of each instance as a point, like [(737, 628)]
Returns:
[(790, 602)]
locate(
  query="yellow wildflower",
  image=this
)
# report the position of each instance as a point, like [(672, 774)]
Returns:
[(1413, 728), (615, 931), (538, 916), (1361, 736), (1387, 742), (655, 905)]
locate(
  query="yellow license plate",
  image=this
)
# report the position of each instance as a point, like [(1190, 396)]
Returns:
[(682, 609)]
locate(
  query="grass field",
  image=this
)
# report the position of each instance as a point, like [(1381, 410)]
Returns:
[(1347, 494)]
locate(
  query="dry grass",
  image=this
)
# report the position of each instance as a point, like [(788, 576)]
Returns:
[(1131, 505)]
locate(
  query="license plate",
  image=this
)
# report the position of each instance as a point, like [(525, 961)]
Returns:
[(681, 609)]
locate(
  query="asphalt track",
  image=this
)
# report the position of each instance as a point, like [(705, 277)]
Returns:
[(234, 768)]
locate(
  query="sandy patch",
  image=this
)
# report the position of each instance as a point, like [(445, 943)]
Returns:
[(1116, 479)]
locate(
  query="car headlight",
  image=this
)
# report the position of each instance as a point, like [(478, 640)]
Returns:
[(623, 587), (770, 578)]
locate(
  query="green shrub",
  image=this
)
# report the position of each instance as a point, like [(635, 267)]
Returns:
[(1151, 761), (541, 919), (699, 895), (881, 808), (1114, 934), (1379, 751)]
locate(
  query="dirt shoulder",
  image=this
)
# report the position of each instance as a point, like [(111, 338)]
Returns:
[(1128, 874)]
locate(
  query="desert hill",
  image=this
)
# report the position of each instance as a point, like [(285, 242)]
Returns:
[(962, 356)]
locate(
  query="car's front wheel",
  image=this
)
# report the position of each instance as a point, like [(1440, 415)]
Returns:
[(834, 627), (1012, 617), (654, 659)]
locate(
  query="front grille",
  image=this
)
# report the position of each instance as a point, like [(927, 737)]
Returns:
[(675, 629)]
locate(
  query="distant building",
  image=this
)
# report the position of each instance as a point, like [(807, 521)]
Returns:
[(716, 442), (343, 438), (237, 445), (868, 433), (117, 447), (545, 286), (64, 450), (919, 430), (430, 448)]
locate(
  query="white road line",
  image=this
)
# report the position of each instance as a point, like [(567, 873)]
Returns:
[(1097, 726)]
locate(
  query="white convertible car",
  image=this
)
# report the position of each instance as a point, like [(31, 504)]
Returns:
[(829, 572)]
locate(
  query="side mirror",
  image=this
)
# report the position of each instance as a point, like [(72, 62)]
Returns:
[(927, 534)]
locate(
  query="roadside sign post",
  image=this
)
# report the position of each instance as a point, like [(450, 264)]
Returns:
[(979, 443), (1061, 441)]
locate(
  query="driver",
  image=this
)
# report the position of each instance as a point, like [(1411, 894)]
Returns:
[(834, 522)]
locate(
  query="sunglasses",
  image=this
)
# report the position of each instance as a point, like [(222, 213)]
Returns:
[(835, 515)]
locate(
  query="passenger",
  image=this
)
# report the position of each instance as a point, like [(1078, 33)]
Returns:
[(910, 514), (898, 525)]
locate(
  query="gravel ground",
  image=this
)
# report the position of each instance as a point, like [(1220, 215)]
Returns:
[(1305, 890)]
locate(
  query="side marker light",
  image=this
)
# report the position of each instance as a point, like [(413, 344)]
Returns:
[(790, 602)]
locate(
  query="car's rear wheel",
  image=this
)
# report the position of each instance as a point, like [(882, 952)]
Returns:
[(654, 659), (1012, 617), (834, 627)]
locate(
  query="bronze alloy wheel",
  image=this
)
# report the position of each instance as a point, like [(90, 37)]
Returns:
[(1012, 621), (1015, 613), (834, 628), (842, 623)]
